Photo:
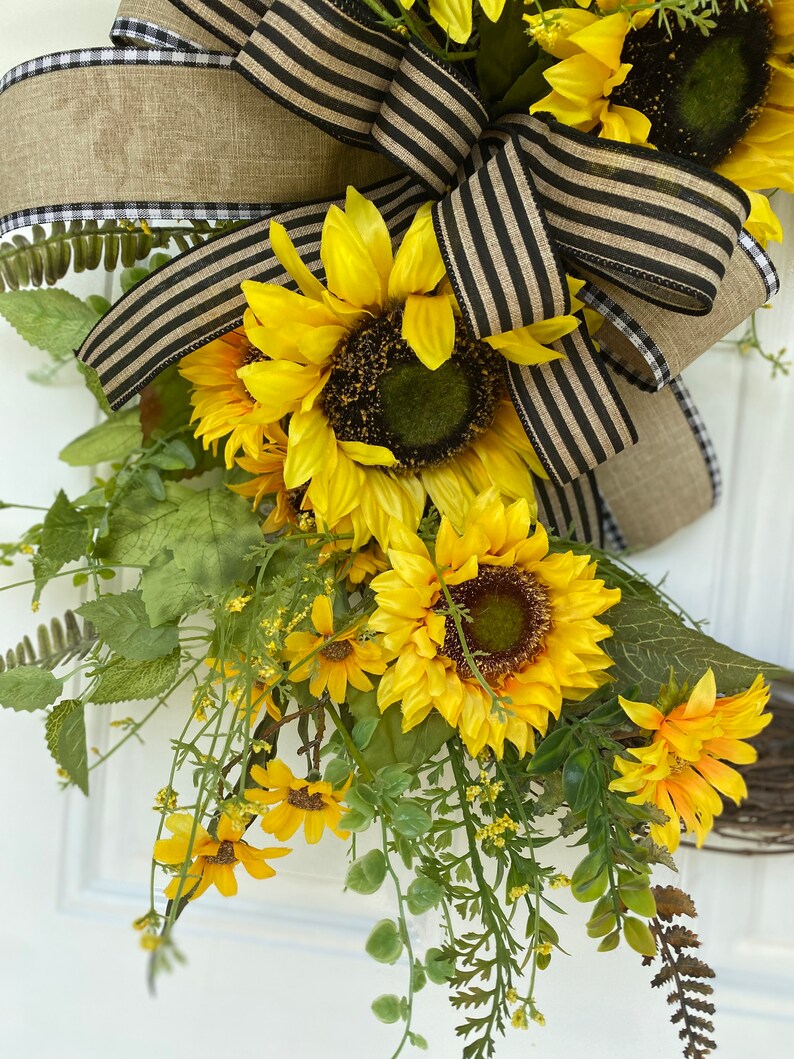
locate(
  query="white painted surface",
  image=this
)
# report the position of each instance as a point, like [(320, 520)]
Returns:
[(280, 970)]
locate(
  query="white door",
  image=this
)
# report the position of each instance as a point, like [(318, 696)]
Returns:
[(281, 969)]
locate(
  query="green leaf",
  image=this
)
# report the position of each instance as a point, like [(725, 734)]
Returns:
[(551, 752), (72, 753), (337, 772), (366, 874), (580, 779), (65, 532), (505, 50), (55, 720), (210, 536), (355, 821), (649, 638), (639, 936), (116, 438), (384, 943), (528, 88), (418, 977), (122, 622), (423, 894), (387, 1008), (393, 780), (125, 680), (53, 320), (590, 878), (390, 745), (637, 897), (610, 942), (417, 1040), (141, 527), (94, 385), (363, 731), (410, 819), (29, 688), (439, 968), (168, 593)]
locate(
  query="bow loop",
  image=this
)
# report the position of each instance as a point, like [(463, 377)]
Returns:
[(499, 253), (427, 125)]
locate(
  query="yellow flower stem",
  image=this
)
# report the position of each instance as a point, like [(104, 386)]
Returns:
[(462, 781), (405, 932), (497, 702), (536, 886), (352, 749)]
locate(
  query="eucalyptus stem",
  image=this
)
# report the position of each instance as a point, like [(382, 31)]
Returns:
[(406, 934)]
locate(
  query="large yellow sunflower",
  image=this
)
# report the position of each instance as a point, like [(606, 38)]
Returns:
[(528, 618), (725, 100), (390, 401), (682, 770)]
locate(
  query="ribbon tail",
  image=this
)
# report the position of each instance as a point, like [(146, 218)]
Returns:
[(575, 510)]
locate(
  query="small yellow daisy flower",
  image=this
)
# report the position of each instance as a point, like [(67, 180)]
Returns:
[(214, 859), (344, 659), (297, 801)]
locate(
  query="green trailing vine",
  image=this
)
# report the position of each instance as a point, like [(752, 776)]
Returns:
[(56, 643), (85, 246)]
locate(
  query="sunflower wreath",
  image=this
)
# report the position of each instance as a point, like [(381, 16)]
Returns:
[(390, 412)]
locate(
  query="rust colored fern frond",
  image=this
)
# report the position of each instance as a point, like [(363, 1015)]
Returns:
[(683, 974)]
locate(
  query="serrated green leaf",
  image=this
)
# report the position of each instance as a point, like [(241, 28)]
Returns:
[(141, 528), (94, 385), (210, 536), (649, 639), (50, 319), (386, 1008), (384, 943), (29, 688), (122, 622), (72, 752), (168, 593), (64, 535), (125, 680), (114, 439), (366, 874), (55, 719)]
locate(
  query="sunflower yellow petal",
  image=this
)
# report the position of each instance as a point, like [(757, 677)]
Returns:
[(350, 271), (429, 328), (285, 251)]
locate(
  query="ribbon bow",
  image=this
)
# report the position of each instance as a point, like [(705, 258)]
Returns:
[(659, 240)]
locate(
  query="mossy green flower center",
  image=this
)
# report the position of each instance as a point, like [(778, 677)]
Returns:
[(508, 615), (702, 94), (380, 393)]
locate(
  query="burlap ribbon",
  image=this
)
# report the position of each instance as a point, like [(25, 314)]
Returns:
[(231, 113)]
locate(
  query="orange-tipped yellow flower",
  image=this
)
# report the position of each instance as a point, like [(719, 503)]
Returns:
[(682, 770)]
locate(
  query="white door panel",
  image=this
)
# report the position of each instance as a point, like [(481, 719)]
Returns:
[(281, 969)]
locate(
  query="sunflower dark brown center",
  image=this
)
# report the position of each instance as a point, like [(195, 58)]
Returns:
[(309, 803), (337, 650), (510, 616), (702, 94), (225, 854), (380, 393)]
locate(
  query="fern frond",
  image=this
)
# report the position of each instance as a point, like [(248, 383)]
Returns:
[(683, 972), (56, 643), (85, 246)]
